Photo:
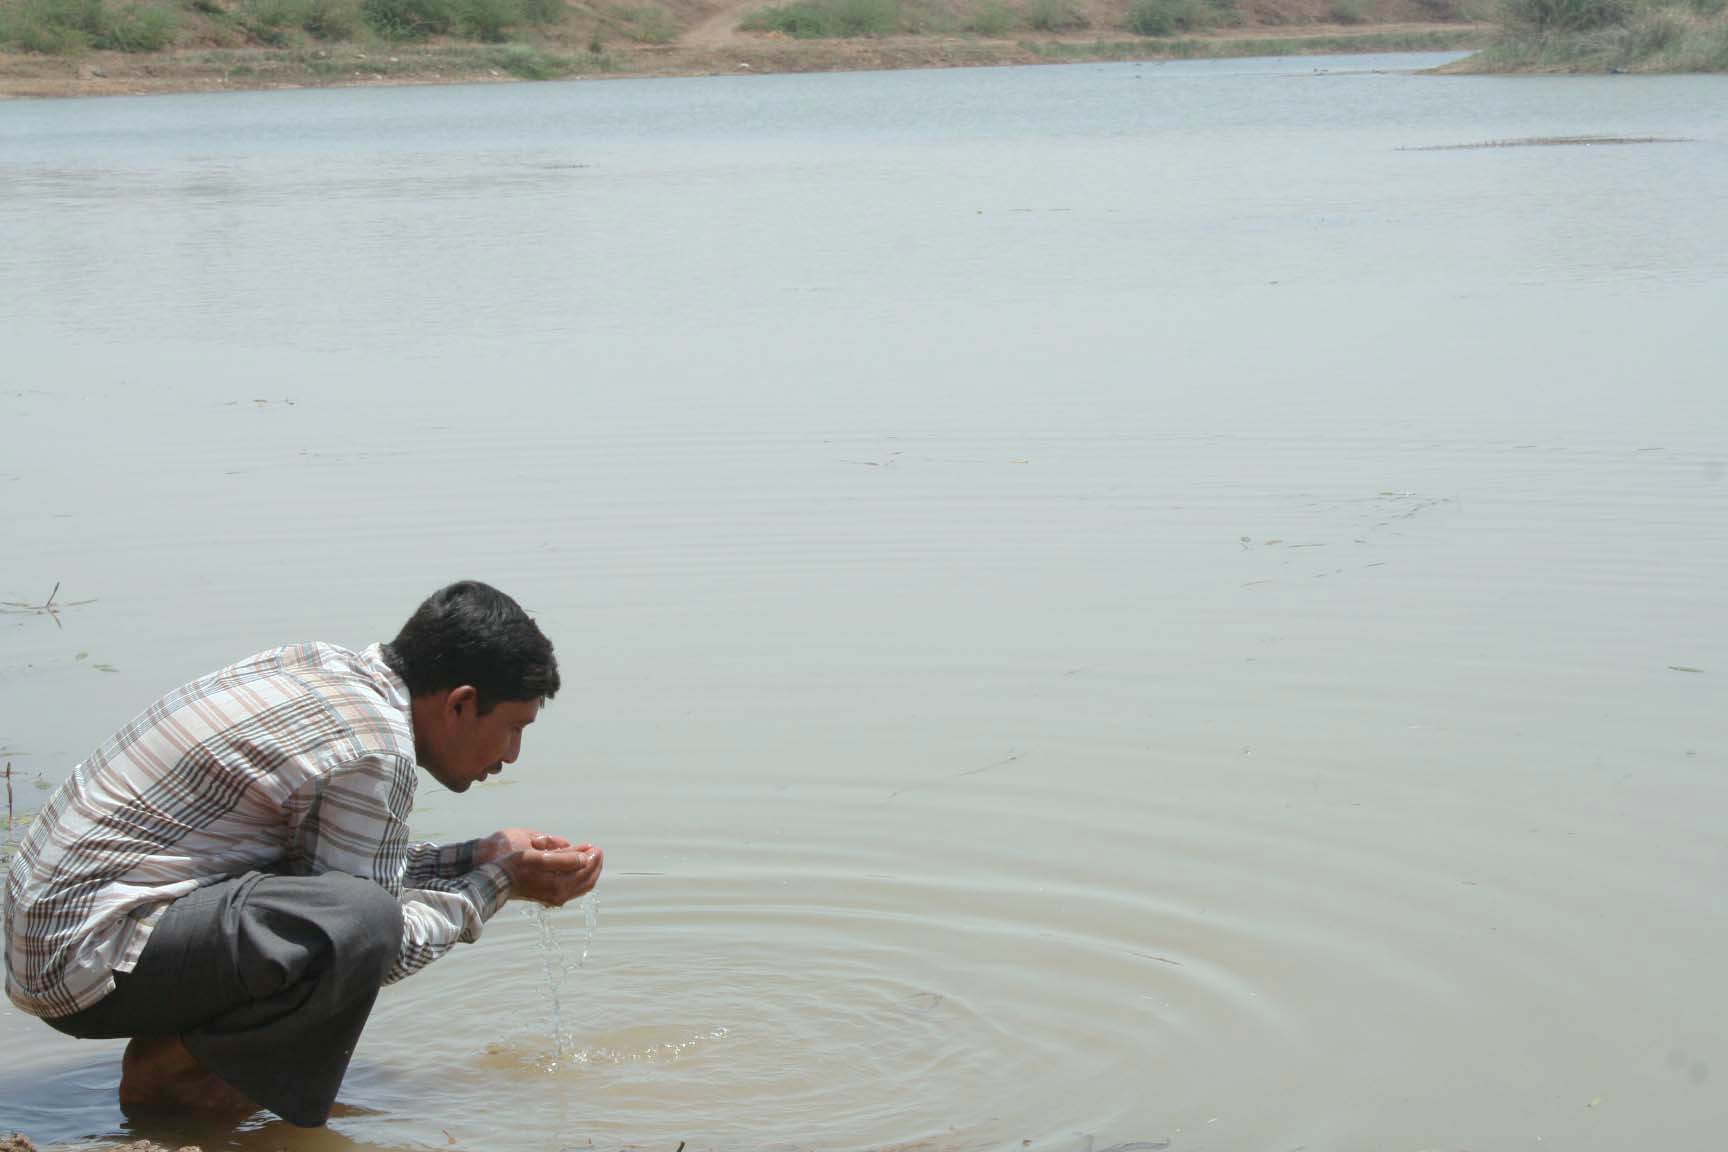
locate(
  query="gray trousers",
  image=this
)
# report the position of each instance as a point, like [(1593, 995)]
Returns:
[(268, 980)]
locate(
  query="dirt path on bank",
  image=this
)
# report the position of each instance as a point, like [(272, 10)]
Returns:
[(721, 28)]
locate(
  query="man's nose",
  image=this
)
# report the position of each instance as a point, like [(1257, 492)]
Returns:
[(514, 751)]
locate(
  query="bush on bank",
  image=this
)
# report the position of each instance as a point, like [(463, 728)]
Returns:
[(1608, 36), (68, 26), (1172, 17)]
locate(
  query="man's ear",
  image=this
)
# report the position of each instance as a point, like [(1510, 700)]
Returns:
[(467, 696)]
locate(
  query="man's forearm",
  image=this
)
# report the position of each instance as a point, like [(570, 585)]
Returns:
[(429, 862), (435, 920)]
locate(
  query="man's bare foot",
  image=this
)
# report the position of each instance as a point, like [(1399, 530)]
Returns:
[(159, 1072)]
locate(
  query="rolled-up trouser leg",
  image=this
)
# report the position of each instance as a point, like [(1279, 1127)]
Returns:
[(268, 980)]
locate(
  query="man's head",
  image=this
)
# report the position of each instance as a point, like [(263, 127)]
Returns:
[(477, 668)]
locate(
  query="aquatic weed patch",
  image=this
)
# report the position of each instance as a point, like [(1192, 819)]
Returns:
[(1548, 142)]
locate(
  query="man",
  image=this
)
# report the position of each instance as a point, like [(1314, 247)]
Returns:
[(228, 880)]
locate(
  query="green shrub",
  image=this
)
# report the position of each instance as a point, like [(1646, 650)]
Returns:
[(1349, 11), (65, 27), (1655, 31), (31, 35), (991, 18), (866, 17), (927, 19), (529, 63), (271, 21), (407, 19), (818, 19), (1055, 16), (276, 21), (331, 19), (138, 28), (56, 27), (485, 20), (1441, 9), (28, 29), (87, 18), (1168, 17), (646, 24), (1567, 15), (801, 21), (526, 63), (542, 11)]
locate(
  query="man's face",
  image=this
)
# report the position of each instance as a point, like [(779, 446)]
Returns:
[(475, 746)]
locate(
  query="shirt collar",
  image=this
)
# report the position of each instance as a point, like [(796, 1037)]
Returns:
[(394, 689)]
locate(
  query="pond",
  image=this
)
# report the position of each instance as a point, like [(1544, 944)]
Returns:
[(1099, 605)]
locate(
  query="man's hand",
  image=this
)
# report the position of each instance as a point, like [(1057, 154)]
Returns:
[(501, 844), (553, 876)]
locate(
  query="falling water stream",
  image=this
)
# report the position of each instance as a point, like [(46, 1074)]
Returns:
[(557, 967)]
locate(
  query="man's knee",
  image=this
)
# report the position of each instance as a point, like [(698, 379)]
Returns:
[(331, 922), (377, 919)]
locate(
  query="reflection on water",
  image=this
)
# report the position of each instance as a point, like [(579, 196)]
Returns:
[(638, 1046), (1102, 608)]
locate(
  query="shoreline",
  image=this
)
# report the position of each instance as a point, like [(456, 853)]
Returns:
[(25, 76)]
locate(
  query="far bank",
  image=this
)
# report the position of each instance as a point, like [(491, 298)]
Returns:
[(71, 48), (54, 48)]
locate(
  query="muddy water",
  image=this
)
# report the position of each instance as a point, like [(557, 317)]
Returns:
[(1100, 605)]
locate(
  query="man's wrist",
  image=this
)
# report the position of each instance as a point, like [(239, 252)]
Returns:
[(468, 856), (496, 887), (489, 849)]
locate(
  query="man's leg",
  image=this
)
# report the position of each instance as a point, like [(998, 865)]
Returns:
[(159, 1073), (266, 981)]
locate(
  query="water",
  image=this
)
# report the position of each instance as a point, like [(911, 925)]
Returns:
[(558, 969), (1098, 605)]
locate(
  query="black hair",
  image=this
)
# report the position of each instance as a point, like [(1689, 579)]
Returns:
[(471, 633)]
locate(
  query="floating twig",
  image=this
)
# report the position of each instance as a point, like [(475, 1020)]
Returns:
[(49, 607)]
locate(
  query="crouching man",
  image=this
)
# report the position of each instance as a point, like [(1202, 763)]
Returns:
[(228, 881)]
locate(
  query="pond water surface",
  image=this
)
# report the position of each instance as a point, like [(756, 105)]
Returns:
[(1099, 605)]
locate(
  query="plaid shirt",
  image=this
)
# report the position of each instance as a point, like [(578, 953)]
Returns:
[(298, 761)]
